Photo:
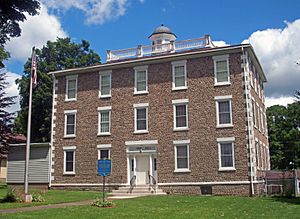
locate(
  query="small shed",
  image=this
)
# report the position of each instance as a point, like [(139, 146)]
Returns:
[(39, 164)]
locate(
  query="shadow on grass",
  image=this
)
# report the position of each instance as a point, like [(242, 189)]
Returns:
[(290, 200)]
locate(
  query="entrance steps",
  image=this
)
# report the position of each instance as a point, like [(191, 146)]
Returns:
[(136, 191)]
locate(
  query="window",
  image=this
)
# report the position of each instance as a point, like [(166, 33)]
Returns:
[(254, 113), (258, 117), (262, 120), (226, 153), (180, 111), (69, 159), (71, 88), (257, 154), (179, 75), (105, 84), (224, 111), (70, 123), (255, 78), (221, 69), (103, 151), (141, 80), (104, 120), (141, 117), (261, 155), (181, 155)]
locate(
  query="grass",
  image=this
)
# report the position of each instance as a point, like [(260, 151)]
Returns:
[(176, 206), (51, 197)]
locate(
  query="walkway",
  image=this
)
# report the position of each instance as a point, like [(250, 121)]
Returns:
[(52, 206), (42, 207)]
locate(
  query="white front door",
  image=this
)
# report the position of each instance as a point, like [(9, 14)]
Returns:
[(142, 170)]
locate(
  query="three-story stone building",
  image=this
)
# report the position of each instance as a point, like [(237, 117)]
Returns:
[(185, 115)]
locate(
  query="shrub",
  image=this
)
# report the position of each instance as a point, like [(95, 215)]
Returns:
[(103, 204), (37, 198), (10, 195)]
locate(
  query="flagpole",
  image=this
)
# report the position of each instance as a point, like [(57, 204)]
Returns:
[(28, 197)]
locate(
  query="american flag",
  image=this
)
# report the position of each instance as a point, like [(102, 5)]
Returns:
[(33, 68)]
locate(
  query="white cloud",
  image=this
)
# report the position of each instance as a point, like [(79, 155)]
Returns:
[(12, 90), (36, 31), (284, 101), (96, 11), (278, 51)]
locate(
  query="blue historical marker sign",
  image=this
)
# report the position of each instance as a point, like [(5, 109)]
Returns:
[(104, 167)]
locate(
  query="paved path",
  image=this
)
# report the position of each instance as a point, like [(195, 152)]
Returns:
[(42, 207), (60, 205)]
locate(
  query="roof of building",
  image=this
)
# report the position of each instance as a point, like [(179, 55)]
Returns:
[(162, 29)]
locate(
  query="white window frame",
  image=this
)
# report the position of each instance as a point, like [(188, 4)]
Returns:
[(104, 109), (221, 99), (104, 73), (136, 69), (70, 112), (69, 149), (224, 141), (221, 58), (103, 147), (178, 102), (69, 78), (182, 143), (141, 106), (174, 65)]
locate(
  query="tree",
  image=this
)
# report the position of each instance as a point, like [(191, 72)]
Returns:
[(284, 135), (11, 13), (5, 117), (58, 55)]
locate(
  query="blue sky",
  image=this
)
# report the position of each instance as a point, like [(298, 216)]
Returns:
[(272, 27)]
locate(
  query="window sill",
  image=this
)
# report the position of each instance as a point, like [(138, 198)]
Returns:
[(180, 129), (179, 88), (225, 126), (140, 92), (104, 134), (222, 84), (224, 169), (182, 171), (69, 136), (104, 96), (70, 100), (69, 173), (141, 132)]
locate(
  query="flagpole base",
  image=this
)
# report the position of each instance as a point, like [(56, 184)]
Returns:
[(27, 198)]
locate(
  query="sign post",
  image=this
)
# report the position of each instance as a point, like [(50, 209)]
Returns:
[(104, 169)]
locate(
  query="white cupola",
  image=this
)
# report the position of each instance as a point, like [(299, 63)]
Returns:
[(160, 36)]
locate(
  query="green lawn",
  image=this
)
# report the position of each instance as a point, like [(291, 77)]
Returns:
[(176, 206), (51, 197)]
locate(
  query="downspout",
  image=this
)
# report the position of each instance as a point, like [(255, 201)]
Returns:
[(248, 124), (52, 128)]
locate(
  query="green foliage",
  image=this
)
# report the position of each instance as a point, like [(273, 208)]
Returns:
[(12, 12), (10, 196), (36, 197), (284, 135), (103, 204), (58, 55), (3, 56), (5, 117)]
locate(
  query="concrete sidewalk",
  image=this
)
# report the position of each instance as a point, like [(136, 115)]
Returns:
[(42, 207)]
